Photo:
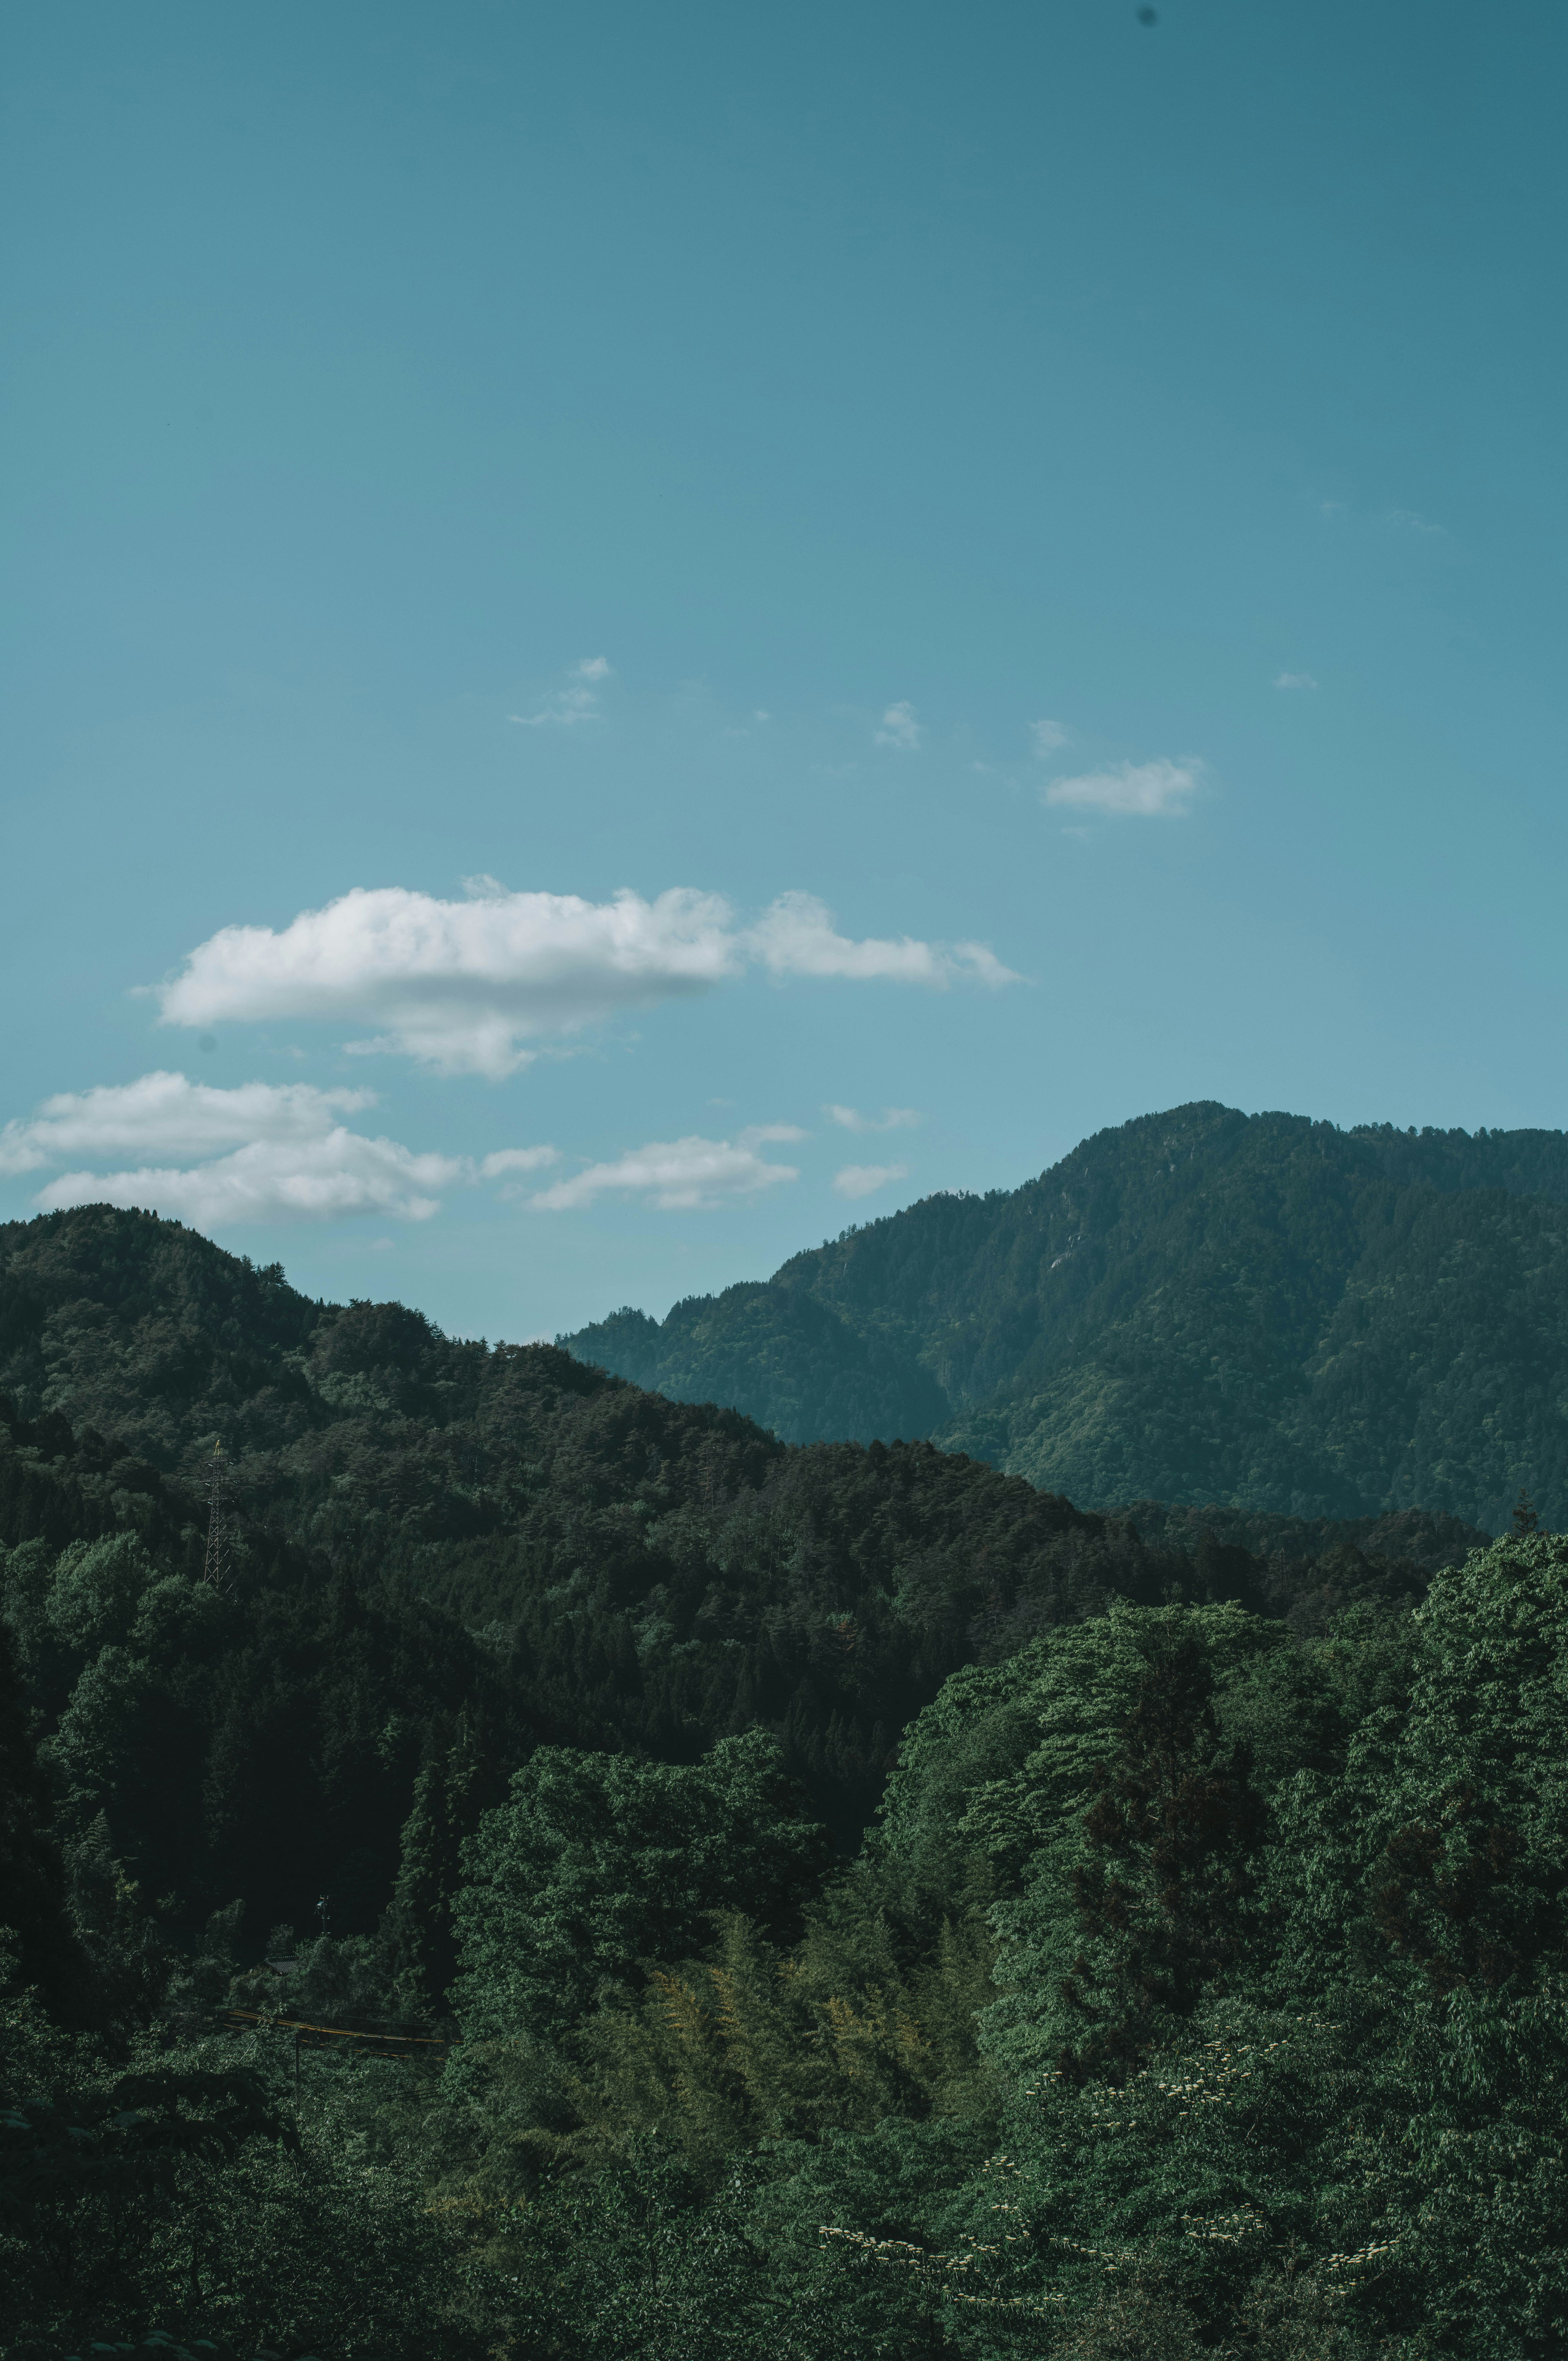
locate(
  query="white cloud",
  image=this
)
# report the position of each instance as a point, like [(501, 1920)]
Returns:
[(274, 1180), (289, 1158), (165, 1114), (890, 1119), (1047, 737), (678, 1174), (797, 936), (462, 986), (458, 984), (577, 701), (517, 1160), (901, 728), (1294, 680), (861, 1180), (1156, 790)]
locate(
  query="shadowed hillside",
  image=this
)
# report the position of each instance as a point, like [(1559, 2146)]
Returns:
[(429, 1531)]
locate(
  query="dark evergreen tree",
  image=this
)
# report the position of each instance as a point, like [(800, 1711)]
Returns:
[(455, 1784), (33, 1898)]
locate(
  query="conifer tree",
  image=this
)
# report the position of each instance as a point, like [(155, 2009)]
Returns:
[(32, 1875), (450, 1792)]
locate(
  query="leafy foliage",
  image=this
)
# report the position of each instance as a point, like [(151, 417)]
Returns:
[(596, 1863)]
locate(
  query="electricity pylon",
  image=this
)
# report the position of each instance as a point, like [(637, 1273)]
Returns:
[(216, 1571)]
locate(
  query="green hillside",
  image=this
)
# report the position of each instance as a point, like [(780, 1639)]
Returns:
[(1196, 1306), (428, 1531), (837, 1902)]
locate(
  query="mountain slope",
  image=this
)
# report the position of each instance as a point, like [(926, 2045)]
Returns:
[(445, 1550), (1198, 1306)]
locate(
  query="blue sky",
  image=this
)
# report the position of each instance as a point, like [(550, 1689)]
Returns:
[(894, 481)]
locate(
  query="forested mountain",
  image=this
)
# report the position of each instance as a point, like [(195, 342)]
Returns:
[(1194, 1984), (428, 1531), (1198, 1306)]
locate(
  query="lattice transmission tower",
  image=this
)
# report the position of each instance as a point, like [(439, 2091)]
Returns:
[(218, 1570)]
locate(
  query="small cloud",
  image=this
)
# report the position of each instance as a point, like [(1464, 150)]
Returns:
[(1411, 521), (517, 1160), (506, 1161), (762, 714), (483, 887), (901, 729), (797, 936), (1047, 737), (380, 1245), (891, 1118), (259, 1152), (165, 1114), (1156, 790), (577, 701), (274, 1180), (861, 1180), (1294, 680), (678, 1175)]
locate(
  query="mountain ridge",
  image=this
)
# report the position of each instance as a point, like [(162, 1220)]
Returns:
[(1198, 1305)]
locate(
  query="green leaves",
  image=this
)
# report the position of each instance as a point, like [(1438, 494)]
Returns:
[(597, 1862), (95, 1591)]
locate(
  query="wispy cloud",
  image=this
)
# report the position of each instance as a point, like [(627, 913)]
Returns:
[(290, 1156), (165, 1114), (891, 1118), (678, 1175), (507, 1165), (464, 986), (516, 1160), (1156, 790), (577, 700), (1294, 680), (273, 1180), (1047, 737), (862, 1179), (901, 728), (797, 936)]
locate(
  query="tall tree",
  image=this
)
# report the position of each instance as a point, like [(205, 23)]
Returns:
[(32, 1875)]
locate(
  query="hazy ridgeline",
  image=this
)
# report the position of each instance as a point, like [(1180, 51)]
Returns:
[(1194, 1982)]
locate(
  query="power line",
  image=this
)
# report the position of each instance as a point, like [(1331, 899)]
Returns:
[(336, 2032)]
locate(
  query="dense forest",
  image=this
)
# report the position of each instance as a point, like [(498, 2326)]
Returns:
[(1196, 1306), (833, 1899)]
